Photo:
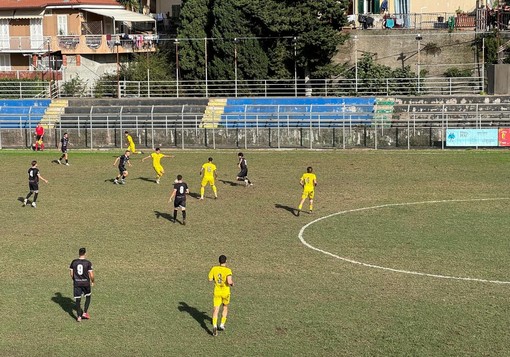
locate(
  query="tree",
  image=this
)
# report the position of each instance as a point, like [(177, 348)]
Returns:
[(265, 30), (374, 77), (195, 25), (231, 23), (154, 65)]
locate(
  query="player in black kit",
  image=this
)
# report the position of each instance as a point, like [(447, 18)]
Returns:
[(243, 166), (123, 160), (33, 183), (180, 191), (83, 279), (63, 147)]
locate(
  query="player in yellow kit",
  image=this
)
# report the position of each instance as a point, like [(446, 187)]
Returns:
[(208, 173), (156, 163), (308, 181), (131, 143), (222, 277)]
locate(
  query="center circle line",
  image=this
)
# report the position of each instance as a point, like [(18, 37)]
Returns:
[(368, 265)]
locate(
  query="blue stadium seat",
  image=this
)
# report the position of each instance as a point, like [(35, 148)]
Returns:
[(297, 112), (22, 113)]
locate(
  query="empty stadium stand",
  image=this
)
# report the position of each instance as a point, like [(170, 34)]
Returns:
[(22, 113), (133, 112), (294, 112)]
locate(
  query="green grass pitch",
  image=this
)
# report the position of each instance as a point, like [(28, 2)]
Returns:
[(152, 297)]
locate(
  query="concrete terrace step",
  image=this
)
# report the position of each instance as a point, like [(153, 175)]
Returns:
[(53, 112), (213, 113)]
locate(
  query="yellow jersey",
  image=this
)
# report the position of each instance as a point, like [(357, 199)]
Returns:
[(209, 169), (156, 159), (130, 140), (219, 274), (309, 181)]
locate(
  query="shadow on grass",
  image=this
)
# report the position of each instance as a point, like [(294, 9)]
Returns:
[(194, 195), (66, 303), (164, 215), (200, 316), (55, 162), (231, 183), (21, 199), (287, 208), (109, 180), (146, 179)]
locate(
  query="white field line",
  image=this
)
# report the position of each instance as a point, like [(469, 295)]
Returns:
[(368, 265)]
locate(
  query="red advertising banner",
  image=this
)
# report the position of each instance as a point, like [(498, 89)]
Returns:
[(504, 137)]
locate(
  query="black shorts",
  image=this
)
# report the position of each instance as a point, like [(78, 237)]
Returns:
[(33, 186), (180, 202), (64, 150), (82, 290), (122, 169), (243, 173)]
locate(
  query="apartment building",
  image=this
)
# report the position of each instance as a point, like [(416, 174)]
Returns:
[(59, 38)]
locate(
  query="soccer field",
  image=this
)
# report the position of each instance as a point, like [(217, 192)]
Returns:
[(360, 292)]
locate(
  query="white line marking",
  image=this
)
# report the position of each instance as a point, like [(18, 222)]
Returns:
[(368, 265)]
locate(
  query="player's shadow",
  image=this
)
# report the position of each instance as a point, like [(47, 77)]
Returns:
[(287, 208), (21, 199), (146, 179), (200, 316), (164, 215), (66, 303), (54, 162), (231, 183), (194, 195), (109, 180)]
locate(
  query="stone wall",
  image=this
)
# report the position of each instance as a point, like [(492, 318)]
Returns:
[(395, 48)]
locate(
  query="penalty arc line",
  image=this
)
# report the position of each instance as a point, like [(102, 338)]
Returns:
[(368, 265)]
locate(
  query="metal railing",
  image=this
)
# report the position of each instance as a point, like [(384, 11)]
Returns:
[(409, 126), (25, 43), (289, 87), (25, 89)]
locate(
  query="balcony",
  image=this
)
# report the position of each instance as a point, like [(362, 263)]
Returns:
[(103, 44), (24, 44)]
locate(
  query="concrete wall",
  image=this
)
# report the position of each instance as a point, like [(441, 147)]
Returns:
[(395, 48), (325, 138)]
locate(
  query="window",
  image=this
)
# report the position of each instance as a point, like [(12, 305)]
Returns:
[(5, 62), (176, 11), (62, 25), (4, 34), (36, 34)]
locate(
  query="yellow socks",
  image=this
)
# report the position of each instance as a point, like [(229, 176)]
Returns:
[(215, 321)]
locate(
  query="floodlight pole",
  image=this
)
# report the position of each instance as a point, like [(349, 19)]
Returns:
[(294, 42), (177, 66), (236, 40), (419, 38), (206, 75)]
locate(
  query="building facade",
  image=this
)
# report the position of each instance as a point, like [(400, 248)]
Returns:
[(52, 39)]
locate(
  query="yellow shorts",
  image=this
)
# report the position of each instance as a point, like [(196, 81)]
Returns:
[(206, 181), (132, 148), (159, 170), (308, 194), (221, 298)]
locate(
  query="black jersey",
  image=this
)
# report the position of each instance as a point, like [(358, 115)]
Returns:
[(181, 188), (33, 174), (81, 269), (243, 164), (123, 160), (64, 141)]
